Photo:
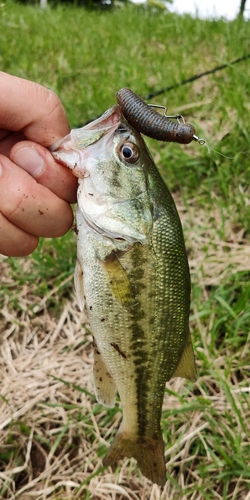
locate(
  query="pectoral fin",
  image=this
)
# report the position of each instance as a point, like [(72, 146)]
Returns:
[(186, 367), (105, 388), (78, 279), (118, 279)]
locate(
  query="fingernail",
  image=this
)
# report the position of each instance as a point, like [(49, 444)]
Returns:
[(30, 160)]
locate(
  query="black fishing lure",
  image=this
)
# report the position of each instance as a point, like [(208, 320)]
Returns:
[(145, 119)]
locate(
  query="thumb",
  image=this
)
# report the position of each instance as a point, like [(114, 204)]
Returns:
[(40, 164)]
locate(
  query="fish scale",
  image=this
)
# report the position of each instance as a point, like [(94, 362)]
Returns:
[(132, 276)]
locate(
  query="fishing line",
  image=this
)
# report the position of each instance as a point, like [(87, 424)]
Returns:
[(187, 80), (224, 156), (197, 76)]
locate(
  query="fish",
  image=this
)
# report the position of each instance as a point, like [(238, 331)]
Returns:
[(132, 277)]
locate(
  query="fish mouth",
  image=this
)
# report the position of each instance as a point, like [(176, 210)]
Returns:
[(110, 118), (69, 151)]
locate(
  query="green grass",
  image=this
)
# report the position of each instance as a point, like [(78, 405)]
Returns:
[(86, 56)]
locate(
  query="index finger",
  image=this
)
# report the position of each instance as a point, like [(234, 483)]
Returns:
[(33, 109)]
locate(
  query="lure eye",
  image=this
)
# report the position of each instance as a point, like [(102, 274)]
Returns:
[(129, 152)]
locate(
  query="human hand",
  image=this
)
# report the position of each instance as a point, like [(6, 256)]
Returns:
[(35, 191)]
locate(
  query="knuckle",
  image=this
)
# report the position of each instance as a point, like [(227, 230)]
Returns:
[(15, 204), (52, 104)]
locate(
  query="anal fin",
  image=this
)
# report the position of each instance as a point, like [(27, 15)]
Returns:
[(104, 385)]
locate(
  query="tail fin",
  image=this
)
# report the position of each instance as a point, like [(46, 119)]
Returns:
[(148, 452)]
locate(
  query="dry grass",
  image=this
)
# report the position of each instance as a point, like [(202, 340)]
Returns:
[(53, 434)]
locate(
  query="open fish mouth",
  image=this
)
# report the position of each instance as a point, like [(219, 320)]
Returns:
[(70, 151)]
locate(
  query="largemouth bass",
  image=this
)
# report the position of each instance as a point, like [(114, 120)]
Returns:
[(132, 276)]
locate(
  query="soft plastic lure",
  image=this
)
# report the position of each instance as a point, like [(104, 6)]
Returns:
[(145, 119)]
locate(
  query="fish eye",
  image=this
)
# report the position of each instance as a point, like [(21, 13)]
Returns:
[(129, 152)]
